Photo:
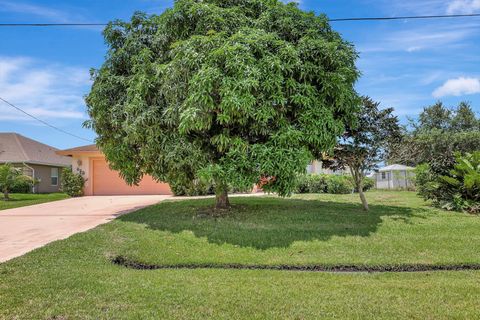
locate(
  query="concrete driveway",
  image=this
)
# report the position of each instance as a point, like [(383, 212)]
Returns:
[(24, 229)]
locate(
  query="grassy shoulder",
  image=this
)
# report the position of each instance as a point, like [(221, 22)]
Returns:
[(27, 199), (74, 278)]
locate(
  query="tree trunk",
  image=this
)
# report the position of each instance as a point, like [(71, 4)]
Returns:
[(5, 195), (358, 180), (221, 198), (362, 197)]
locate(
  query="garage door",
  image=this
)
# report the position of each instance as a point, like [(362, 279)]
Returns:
[(108, 182)]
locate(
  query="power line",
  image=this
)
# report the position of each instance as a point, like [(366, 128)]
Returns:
[(331, 20), (408, 17), (44, 122)]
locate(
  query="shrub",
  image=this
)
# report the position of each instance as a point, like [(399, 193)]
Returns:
[(72, 183), (459, 190), (23, 184), (339, 184), (312, 183), (194, 188), (323, 183), (368, 183), (9, 175)]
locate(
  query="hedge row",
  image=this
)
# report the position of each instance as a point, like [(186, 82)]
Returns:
[(325, 183)]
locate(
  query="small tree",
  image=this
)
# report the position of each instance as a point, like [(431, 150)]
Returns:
[(9, 176), (363, 146), (230, 91)]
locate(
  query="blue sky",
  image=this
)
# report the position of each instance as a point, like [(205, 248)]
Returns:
[(405, 64)]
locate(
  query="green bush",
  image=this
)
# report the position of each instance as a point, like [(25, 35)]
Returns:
[(339, 184), (312, 183), (72, 183), (323, 183), (194, 188), (23, 184), (459, 190), (368, 183)]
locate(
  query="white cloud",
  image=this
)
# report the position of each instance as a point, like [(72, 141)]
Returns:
[(45, 91), (30, 9), (51, 14), (463, 7), (458, 87)]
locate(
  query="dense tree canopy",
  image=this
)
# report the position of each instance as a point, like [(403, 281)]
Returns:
[(363, 146), (230, 90), (437, 135), (439, 117)]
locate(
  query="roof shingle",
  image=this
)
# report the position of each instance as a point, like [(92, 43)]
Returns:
[(15, 148)]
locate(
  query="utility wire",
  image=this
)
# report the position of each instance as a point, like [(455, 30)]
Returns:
[(408, 17), (331, 20), (44, 122)]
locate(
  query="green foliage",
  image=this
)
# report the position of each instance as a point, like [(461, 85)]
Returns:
[(234, 91), (324, 183), (192, 188), (368, 183), (23, 184), (437, 135), (337, 184), (439, 117), (9, 176), (425, 182), (458, 190), (312, 183), (437, 148), (364, 145), (72, 183)]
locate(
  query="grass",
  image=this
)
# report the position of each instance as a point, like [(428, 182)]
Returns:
[(27, 199), (74, 278)]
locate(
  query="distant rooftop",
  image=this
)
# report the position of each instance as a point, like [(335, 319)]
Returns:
[(83, 149), (396, 167), (15, 148)]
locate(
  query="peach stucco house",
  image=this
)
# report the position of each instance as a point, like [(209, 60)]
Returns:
[(101, 180)]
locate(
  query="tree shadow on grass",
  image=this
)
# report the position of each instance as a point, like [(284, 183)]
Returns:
[(264, 223)]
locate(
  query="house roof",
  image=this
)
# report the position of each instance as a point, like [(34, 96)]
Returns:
[(15, 148), (396, 167), (91, 148)]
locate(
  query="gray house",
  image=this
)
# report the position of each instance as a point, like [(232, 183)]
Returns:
[(36, 160), (395, 176)]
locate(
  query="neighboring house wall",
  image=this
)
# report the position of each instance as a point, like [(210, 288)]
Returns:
[(44, 174), (316, 168)]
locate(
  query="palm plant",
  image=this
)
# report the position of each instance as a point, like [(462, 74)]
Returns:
[(9, 175), (463, 182)]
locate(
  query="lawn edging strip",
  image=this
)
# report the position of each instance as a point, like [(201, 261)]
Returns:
[(130, 264)]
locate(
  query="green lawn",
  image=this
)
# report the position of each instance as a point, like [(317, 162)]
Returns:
[(74, 278), (22, 199)]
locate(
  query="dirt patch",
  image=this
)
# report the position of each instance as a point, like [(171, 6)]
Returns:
[(122, 261)]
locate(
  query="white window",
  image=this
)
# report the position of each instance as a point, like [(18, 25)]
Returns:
[(54, 176), (384, 175)]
